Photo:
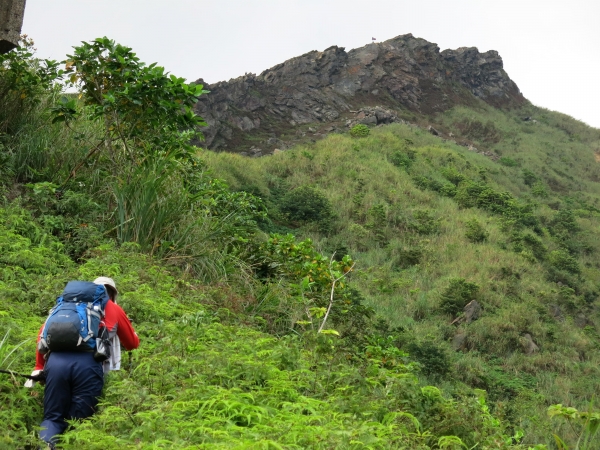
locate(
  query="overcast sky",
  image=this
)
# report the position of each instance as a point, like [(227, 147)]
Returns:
[(549, 47)]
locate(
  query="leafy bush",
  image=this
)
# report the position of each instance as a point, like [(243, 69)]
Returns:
[(359, 130), (453, 175), (475, 231), (456, 296), (563, 223), (424, 222), (146, 113), (474, 129), (530, 243), (378, 222), (529, 178), (434, 360), (508, 162), (539, 189), (307, 204), (403, 159), (24, 81), (561, 260), (407, 256)]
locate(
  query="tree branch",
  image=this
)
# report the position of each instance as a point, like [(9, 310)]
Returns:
[(332, 292)]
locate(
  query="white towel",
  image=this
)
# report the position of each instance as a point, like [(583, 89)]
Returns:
[(114, 362)]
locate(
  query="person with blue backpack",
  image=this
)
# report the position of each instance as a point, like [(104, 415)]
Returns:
[(74, 350)]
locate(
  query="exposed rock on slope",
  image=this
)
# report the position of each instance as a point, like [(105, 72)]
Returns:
[(326, 88)]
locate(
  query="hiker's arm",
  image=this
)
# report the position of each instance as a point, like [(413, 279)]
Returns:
[(127, 335), (40, 362)]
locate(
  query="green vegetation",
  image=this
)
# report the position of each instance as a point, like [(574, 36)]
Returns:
[(258, 329), (359, 130), (434, 225)]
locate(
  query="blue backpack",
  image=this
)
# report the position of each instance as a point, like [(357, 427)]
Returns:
[(74, 323)]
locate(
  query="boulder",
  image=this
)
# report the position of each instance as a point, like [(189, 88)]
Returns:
[(581, 320), (369, 120), (433, 131), (459, 342), (529, 347), (472, 311), (556, 312)]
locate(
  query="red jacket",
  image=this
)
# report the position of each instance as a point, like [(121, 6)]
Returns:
[(117, 323)]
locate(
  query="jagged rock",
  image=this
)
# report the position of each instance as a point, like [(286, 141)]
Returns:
[(581, 320), (556, 312), (472, 311), (323, 87), (529, 347), (459, 341), (369, 120), (274, 141), (277, 150), (433, 131)]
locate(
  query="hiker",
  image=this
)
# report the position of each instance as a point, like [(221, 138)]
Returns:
[(74, 379)]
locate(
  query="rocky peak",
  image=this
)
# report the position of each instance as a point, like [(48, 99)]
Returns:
[(324, 89)]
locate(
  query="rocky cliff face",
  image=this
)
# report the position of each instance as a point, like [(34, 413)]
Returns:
[(321, 92)]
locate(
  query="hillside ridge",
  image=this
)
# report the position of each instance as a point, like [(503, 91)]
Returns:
[(403, 75)]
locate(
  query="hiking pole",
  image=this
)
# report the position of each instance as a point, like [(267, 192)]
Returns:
[(39, 377)]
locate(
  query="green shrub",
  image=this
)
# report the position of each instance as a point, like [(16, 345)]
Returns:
[(508, 162), (458, 293), (475, 231), (359, 130), (539, 189), (403, 159), (561, 260), (307, 204), (434, 360), (529, 178), (378, 222), (406, 257), (453, 175), (564, 222), (424, 222), (474, 129)]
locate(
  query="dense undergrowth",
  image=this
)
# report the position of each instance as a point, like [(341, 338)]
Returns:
[(253, 338)]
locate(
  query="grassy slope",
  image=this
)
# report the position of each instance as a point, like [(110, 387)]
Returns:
[(205, 377), (516, 291)]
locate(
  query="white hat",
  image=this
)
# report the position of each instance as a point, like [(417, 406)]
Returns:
[(107, 282)]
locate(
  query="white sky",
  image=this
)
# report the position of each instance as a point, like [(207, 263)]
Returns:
[(549, 47)]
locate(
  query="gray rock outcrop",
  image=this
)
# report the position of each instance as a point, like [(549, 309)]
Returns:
[(11, 21), (529, 347), (472, 311), (327, 88)]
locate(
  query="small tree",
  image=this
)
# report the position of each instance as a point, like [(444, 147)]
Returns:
[(475, 231), (458, 293), (145, 112)]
